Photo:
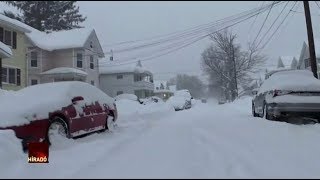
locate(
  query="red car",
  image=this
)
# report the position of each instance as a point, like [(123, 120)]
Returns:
[(39, 112)]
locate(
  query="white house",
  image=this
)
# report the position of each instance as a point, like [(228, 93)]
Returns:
[(162, 89), (63, 56), (117, 79), (304, 59)]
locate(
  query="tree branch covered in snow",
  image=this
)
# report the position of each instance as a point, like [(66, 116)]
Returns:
[(228, 66), (50, 15)]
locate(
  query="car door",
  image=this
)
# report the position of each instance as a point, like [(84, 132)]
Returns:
[(81, 123)]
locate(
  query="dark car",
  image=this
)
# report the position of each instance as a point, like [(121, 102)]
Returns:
[(67, 109), (287, 95)]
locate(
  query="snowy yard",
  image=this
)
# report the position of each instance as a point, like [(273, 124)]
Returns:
[(206, 141)]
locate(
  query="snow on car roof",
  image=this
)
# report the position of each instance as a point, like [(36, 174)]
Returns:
[(41, 99), (294, 80)]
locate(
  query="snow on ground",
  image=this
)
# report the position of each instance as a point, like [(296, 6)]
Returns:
[(206, 141)]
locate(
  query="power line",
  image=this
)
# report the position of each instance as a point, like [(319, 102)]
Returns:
[(150, 58), (279, 26), (263, 23), (273, 23), (253, 22)]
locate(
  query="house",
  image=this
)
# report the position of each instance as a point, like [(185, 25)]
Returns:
[(162, 90), (63, 56), (288, 62), (285, 63), (304, 59), (14, 68), (117, 79)]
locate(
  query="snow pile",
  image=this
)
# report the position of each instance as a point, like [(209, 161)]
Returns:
[(5, 51), (35, 102), (294, 80), (63, 39), (65, 70), (10, 146), (126, 96), (177, 102)]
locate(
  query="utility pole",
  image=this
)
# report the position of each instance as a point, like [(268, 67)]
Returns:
[(0, 73), (312, 53)]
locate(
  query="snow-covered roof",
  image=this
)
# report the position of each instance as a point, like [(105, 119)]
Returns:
[(64, 39), (5, 51), (114, 68), (287, 61), (65, 70), (14, 24), (295, 80), (35, 102)]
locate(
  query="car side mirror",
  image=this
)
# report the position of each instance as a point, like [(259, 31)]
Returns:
[(76, 99)]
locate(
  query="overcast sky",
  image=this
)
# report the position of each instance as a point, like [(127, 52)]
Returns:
[(123, 21)]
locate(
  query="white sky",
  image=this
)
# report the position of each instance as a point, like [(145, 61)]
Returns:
[(123, 21)]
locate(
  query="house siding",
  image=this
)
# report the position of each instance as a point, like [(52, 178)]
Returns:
[(17, 60), (111, 85)]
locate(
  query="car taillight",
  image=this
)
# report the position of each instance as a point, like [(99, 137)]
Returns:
[(280, 93)]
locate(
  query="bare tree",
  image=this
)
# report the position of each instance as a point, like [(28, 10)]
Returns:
[(227, 65)]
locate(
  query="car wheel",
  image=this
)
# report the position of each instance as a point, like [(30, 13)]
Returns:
[(266, 114), (253, 111), (57, 129)]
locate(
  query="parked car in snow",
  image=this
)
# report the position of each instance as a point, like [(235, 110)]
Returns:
[(152, 99), (42, 112), (181, 100), (288, 94)]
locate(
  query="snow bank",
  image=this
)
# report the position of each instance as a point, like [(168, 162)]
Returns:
[(295, 80), (126, 96), (10, 147), (35, 102)]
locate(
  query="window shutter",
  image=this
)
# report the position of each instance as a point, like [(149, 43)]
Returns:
[(14, 40), (1, 34), (18, 77)]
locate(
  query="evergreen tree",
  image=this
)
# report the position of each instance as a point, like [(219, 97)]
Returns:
[(50, 15)]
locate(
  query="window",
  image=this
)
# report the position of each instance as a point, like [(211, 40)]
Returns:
[(8, 37), (137, 77), (4, 75), (79, 60), (34, 81), (18, 77), (92, 83), (1, 34), (119, 92), (91, 62), (307, 62), (11, 76), (120, 76), (34, 59)]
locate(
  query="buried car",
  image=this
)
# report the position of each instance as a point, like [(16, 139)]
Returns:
[(70, 109), (181, 100), (288, 95)]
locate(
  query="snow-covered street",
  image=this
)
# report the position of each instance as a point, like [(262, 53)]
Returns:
[(206, 141)]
